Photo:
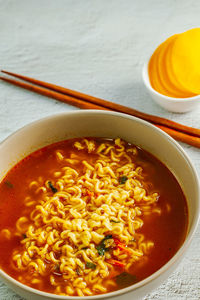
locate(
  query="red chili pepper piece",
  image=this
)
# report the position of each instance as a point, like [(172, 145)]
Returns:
[(122, 246), (116, 263)]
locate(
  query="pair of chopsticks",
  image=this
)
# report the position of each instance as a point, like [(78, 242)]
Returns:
[(178, 131)]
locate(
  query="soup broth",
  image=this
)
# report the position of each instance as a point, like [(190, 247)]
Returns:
[(89, 216)]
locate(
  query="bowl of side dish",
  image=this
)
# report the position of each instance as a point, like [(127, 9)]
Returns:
[(85, 206), (173, 104)]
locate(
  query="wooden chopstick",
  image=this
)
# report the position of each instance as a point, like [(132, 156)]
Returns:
[(69, 99), (50, 93), (109, 105), (181, 136)]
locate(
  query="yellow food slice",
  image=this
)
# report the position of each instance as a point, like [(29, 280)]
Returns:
[(153, 74), (162, 73), (185, 59), (169, 75)]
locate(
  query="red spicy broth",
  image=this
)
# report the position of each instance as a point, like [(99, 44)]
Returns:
[(36, 249)]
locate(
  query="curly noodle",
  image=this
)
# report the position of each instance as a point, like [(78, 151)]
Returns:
[(85, 223)]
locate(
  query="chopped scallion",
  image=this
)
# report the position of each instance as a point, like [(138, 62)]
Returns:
[(125, 279), (115, 221), (123, 179), (54, 190), (101, 248), (9, 184), (90, 265)]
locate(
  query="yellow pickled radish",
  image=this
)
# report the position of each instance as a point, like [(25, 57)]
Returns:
[(185, 60), (154, 78), (170, 76), (172, 90)]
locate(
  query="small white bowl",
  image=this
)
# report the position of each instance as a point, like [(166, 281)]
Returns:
[(94, 123), (178, 105)]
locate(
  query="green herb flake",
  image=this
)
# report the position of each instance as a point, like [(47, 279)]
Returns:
[(9, 184), (113, 221), (123, 179), (54, 190), (90, 265), (24, 235), (125, 279), (101, 248), (84, 248)]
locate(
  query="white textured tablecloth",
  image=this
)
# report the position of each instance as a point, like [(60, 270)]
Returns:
[(97, 47)]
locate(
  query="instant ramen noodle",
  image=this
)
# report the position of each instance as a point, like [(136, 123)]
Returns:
[(89, 216)]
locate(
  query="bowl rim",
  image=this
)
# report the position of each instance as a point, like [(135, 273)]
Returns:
[(178, 255), (148, 85)]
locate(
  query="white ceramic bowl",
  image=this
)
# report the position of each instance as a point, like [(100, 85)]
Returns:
[(178, 105), (106, 124)]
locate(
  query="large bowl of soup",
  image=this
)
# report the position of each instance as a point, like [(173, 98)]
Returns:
[(93, 205)]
